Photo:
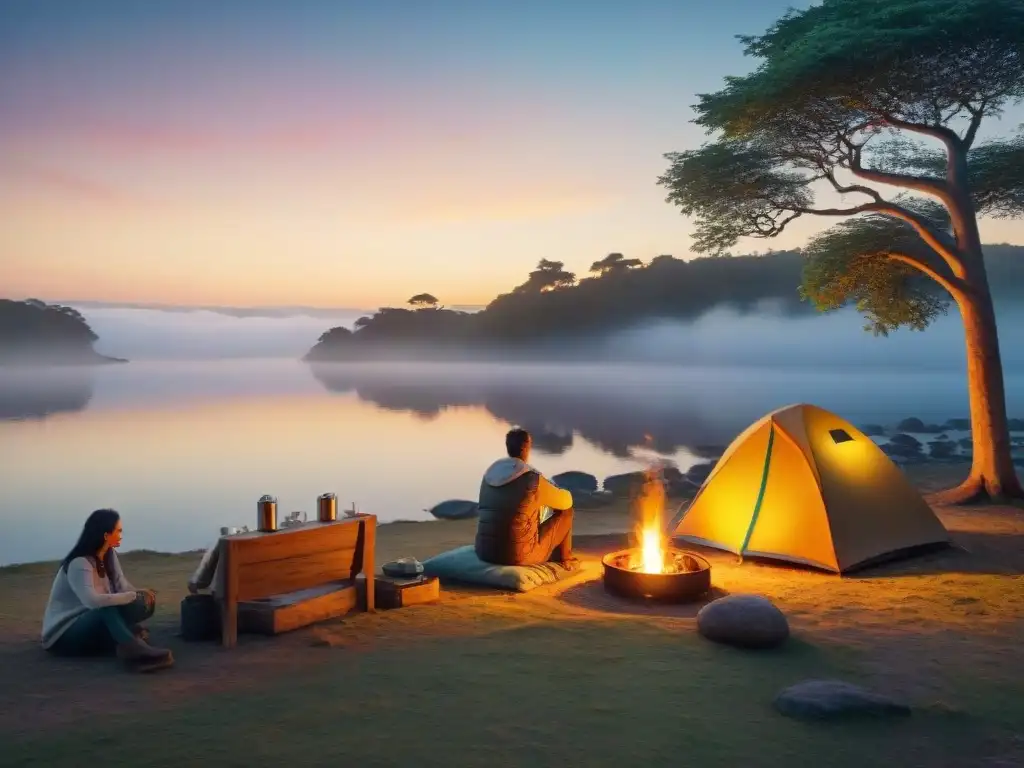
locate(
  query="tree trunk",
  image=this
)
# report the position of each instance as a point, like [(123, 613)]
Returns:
[(992, 476)]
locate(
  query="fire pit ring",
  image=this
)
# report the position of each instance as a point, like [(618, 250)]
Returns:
[(679, 586)]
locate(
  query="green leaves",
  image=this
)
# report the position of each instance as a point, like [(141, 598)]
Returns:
[(995, 171), (834, 84), (849, 61), (735, 190), (852, 263)]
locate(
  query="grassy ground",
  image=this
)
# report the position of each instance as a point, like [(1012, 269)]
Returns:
[(564, 675)]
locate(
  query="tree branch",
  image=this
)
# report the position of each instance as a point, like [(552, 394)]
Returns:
[(976, 117), (920, 225), (917, 183), (844, 189), (946, 135), (954, 285)]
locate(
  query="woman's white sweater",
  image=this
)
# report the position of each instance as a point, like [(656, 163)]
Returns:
[(80, 589)]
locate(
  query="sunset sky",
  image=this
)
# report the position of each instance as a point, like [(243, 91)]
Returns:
[(349, 153)]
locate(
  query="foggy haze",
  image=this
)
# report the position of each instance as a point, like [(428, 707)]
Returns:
[(721, 337), (152, 334)]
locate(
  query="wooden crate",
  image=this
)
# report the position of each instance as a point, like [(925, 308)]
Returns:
[(283, 613), (402, 591), (290, 578)]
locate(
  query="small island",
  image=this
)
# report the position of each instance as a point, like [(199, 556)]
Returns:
[(553, 315), (34, 333)]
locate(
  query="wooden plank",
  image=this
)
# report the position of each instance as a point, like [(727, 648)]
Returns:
[(300, 571), (229, 599), (290, 612), (307, 539), (402, 592), (367, 564)]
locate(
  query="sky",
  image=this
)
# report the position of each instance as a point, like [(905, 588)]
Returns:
[(350, 154)]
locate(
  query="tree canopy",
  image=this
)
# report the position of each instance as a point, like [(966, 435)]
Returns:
[(424, 300), (614, 263), (843, 97), (664, 288), (34, 330)]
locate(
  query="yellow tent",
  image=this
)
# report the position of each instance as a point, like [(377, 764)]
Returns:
[(804, 485)]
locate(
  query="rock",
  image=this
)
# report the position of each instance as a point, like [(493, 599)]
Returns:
[(1015, 425), (455, 509), (829, 699), (744, 621), (965, 442), (698, 473), (904, 447), (405, 566), (624, 484), (942, 449), (905, 441), (873, 430), (575, 482), (959, 425), (671, 474), (914, 424)]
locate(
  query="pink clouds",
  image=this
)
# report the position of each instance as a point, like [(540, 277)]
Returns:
[(50, 180)]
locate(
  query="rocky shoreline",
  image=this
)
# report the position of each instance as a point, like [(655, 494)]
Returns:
[(911, 441)]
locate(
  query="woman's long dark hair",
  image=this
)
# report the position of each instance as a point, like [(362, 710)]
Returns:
[(100, 522)]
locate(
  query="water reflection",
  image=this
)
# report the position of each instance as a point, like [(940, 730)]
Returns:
[(34, 394), (664, 408)]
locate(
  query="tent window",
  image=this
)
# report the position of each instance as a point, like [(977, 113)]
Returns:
[(840, 436)]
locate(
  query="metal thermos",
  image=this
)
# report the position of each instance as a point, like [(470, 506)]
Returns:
[(266, 514), (326, 507)]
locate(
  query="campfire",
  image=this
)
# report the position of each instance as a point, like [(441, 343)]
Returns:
[(652, 568)]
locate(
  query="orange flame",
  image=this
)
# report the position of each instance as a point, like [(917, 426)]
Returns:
[(647, 508)]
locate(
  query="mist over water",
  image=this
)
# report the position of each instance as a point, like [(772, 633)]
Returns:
[(723, 336), (151, 334), (186, 437)]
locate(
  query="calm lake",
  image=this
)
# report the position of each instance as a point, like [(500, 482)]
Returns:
[(182, 448)]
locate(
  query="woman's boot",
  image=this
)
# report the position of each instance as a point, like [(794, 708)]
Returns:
[(143, 657)]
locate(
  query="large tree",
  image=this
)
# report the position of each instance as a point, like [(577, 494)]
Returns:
[(548, 276), (614, 264), (850, 94), (423, 301)]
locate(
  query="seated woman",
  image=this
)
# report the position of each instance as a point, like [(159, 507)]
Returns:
[(93, 609)]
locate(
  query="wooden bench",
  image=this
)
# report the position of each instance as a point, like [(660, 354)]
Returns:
[(279, 581)]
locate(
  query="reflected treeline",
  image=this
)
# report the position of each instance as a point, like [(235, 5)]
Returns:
[(617, 417), (39, 393)]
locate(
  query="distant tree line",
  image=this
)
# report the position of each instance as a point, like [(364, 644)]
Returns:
[(619, 292), (33, 329)]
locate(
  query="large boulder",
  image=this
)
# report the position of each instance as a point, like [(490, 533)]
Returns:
[(455, 509), (743, 621), (575, 482), (903, 446), (914, 424), (830, 699), (624, 484), (872, 430)]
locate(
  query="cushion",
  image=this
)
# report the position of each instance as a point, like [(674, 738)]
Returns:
[(462, 564)]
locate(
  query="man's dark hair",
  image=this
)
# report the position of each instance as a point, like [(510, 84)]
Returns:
[(516, 441)]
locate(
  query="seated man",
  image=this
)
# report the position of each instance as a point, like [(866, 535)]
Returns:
[(513, 496)]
